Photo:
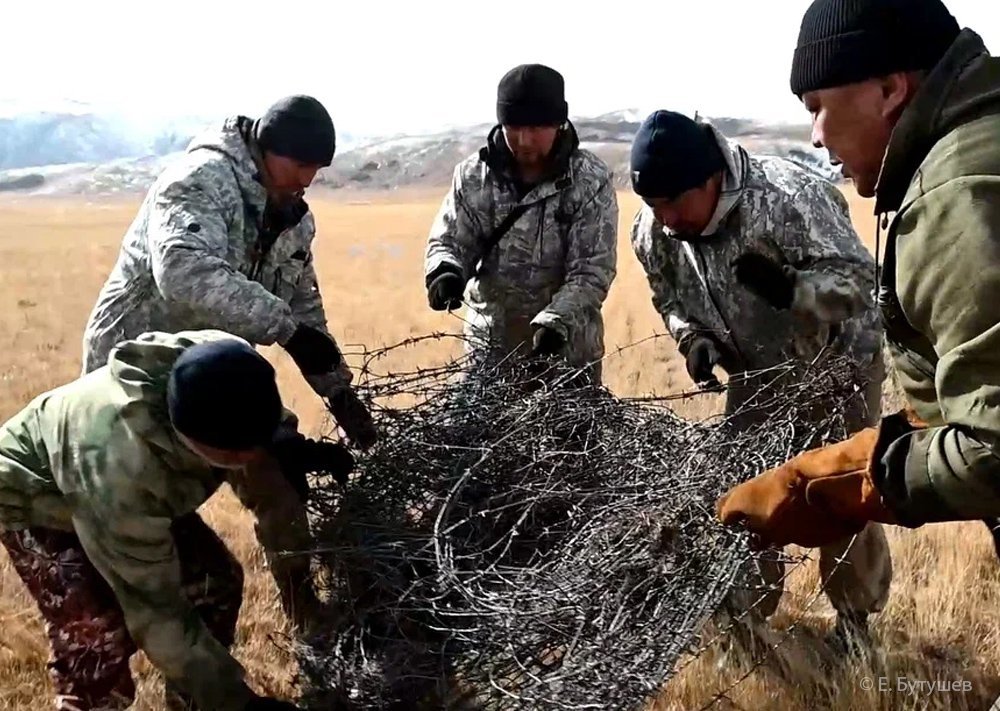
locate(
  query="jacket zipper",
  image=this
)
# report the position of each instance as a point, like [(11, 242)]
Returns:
[(701, 268)]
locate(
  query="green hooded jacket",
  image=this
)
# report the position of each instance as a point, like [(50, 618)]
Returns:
[(940, 289), (99, 457)]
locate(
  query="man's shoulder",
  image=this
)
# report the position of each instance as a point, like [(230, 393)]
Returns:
[(644, 226), (470, 172), (787, 185), (198, 170), (589, 164)]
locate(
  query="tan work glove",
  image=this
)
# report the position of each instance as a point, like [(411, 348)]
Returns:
[(819, 496)]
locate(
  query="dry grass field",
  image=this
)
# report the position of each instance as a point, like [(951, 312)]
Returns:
[(941, 622)]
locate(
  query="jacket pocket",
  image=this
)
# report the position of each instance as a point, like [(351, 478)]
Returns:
[(286, 278)]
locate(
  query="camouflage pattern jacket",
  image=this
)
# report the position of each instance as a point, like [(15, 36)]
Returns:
[(772, 206), (552, 269), (195, 256), (99, 457)]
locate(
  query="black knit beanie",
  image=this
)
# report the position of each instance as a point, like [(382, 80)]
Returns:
[(532, 95), (298, 127), (672, 154), (848, 41), (223, 394)]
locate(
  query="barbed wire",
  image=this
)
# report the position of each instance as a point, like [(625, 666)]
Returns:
[(523, 538)]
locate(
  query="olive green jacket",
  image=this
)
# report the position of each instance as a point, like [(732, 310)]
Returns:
[(940, 289), (99, 457)]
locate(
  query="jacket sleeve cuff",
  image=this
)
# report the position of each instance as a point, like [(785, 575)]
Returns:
[(439, 266), (285, 330), (552, 321), (907, 484)]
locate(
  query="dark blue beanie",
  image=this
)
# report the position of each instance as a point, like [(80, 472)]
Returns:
[(672, 154), (298, 127), (223, 394)]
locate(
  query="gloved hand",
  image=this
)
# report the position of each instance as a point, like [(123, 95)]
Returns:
[(819, 496), (298, 456), (700, 356), (353, 417), (313, 351), (766, 278), (547, 341), (446, 290), (265, 703)]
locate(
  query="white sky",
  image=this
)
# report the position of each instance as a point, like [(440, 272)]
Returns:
[(383, 66)]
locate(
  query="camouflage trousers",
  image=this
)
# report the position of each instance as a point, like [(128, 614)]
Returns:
[(89, 644)]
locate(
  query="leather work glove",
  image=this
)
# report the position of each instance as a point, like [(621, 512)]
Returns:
[(265, 703), (446, 290), (298, 456), (701, 355), (313, 351), (766, 278), (819, 496), (546, 342)]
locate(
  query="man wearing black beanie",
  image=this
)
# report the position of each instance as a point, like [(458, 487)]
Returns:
[(718, 220), (102, 478), (910, 104), (527, 233), (224, 240)]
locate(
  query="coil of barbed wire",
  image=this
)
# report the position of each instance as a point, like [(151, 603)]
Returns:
[(522, 538)]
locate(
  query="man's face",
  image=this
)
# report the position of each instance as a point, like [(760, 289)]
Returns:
[(854, 123), (223, 458), (691, 211), (286, 179), (531, 145)]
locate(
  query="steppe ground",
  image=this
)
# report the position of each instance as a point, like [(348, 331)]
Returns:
[(942, 618)]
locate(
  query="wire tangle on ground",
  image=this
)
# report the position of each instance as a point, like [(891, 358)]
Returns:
[(522, 538)]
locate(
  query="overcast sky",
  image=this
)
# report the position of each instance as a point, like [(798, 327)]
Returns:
[(403, 66)]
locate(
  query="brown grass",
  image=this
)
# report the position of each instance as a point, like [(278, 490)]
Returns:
[(941, 620)]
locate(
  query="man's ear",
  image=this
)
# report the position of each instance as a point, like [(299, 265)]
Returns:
[(898, 89)]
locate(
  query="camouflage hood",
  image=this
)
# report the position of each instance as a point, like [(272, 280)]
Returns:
[(234, 139)]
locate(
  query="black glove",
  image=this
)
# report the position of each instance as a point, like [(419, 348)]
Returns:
[(298, 456), (265, 703), (547, 342), (765, 278), (445, 291), (313, 351), (700, 356), (353, 417)]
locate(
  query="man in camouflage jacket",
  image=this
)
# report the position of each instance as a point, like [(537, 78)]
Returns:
[(754, 265), (100, 480), (223, 240), (540, 287)]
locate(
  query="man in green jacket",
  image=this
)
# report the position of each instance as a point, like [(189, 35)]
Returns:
[(100, 480), (909, 103)]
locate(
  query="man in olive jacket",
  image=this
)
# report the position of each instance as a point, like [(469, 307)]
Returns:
[(911, 106), (100, 482)]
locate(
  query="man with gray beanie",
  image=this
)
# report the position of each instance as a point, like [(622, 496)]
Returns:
[(755, 267), (100, 482), (909, 104), (527, 233), (223, 240)]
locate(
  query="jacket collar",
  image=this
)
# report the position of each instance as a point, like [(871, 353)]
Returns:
[(924, 121), (496, 156)]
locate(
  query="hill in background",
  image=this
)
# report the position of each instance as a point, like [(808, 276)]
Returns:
[(77, 152)]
